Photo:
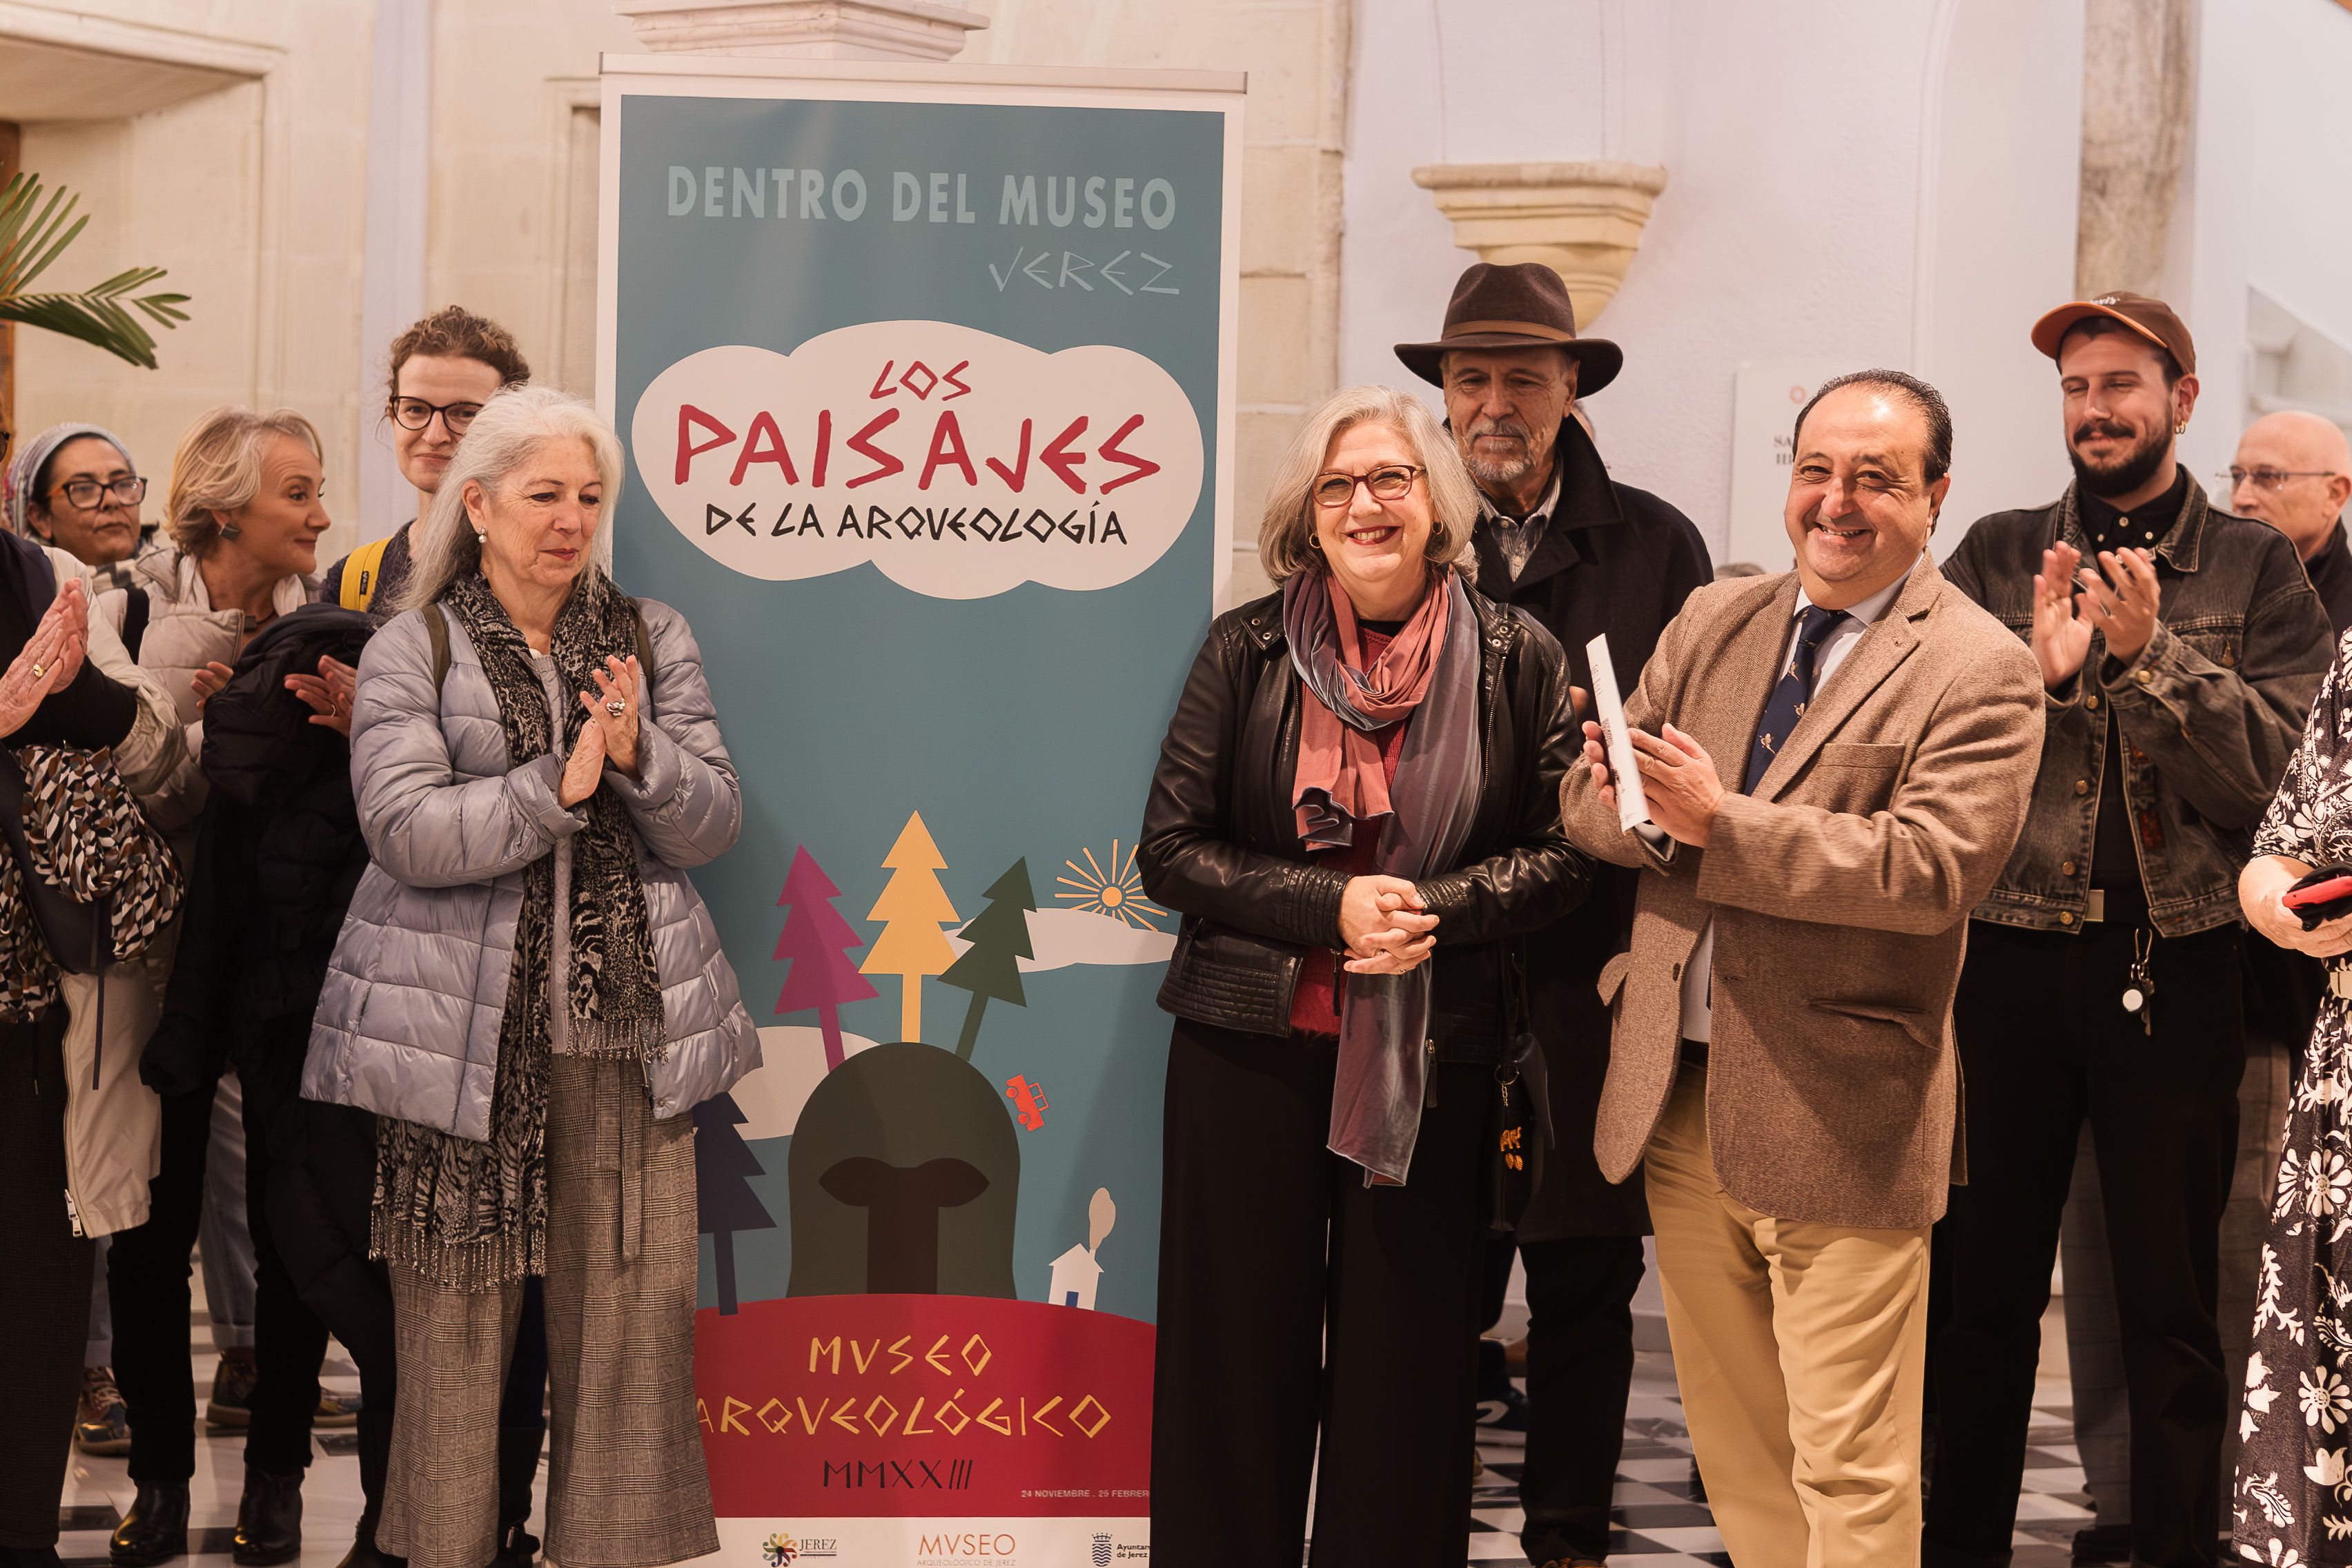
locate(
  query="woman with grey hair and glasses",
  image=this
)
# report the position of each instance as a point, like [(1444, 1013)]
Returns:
[(529, 996), (1355, 811)]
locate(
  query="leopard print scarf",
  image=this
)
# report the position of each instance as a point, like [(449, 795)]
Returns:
[(89, 839), (471, 1215)]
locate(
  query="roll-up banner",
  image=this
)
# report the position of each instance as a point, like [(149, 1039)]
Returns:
[(926, 374)]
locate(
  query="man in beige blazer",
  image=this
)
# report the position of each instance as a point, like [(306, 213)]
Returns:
[(1836, 762)]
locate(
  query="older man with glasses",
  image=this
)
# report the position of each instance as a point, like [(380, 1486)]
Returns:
[(1582, 555), (2294, 470)]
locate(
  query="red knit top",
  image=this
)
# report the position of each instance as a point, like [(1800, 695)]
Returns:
[(1315, 1005)]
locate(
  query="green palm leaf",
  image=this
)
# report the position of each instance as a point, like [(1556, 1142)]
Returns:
[(33, 234)]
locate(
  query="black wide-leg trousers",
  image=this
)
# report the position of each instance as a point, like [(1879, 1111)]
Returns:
[(44, 1311), (2045, 1044), (1295, 1303)]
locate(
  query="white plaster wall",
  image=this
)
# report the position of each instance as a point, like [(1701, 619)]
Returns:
[(252, 197), (1861, 182), (2263, 196)]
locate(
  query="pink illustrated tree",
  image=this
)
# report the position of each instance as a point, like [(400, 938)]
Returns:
[(815, 939)]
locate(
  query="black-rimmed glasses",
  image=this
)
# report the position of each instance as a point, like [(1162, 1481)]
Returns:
[(88, 494), (1389, 481), (415, 414)]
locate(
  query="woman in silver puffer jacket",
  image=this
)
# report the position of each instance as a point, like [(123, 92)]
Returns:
[(530, 994)]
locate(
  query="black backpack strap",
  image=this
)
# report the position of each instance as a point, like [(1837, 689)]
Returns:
[(436, 632), (645, 642), (135, 610)]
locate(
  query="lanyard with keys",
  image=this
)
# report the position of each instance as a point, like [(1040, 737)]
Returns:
[(2139, 986)]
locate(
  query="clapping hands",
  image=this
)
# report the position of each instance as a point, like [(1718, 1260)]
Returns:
[(50, 659)]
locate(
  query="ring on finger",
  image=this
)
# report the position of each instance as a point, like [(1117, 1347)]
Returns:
[(616, 707)]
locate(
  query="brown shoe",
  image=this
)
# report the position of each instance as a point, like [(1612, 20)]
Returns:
[(231, 1405), (102, 1421), (336, 1410)]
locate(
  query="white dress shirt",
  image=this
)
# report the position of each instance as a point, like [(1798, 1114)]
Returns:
[(1699, 975)]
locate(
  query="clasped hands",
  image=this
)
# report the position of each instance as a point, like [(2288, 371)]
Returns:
[(1385, 926), (2121, 605), (610, 737), (1678, 780)]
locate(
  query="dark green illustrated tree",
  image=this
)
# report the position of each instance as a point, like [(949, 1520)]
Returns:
[(33, 234), (991, 968), (724, 1201)]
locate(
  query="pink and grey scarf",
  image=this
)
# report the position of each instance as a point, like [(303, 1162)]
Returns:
[(1428, 677)]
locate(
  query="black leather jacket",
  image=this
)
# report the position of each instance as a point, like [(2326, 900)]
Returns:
[(1220, 842)]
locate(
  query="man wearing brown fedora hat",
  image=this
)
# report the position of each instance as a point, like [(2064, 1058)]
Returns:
[(1582, 555), (2179, 650)]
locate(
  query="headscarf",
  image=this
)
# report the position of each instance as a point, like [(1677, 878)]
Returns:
[(1428, 676), (17, 484)]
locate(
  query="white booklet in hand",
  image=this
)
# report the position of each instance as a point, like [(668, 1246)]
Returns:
[(1624, 762)]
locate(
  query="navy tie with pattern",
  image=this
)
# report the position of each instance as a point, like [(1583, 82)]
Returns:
[(1791, 695)]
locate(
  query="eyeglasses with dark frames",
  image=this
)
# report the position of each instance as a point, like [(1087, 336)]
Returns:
[(415, 414), (1389, 481), (89, 495), (2272, 479)]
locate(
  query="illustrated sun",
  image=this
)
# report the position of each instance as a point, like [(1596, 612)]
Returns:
[(1118, 894)]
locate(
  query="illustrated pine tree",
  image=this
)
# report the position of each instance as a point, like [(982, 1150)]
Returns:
[(989, 968), (822, 976), (725, 1203), (912, 908)]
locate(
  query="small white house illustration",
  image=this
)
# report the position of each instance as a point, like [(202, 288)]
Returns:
[(1075, 1273), (1078, 1271)]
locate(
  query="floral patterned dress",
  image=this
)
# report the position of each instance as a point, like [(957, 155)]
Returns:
[(2292, 1503)]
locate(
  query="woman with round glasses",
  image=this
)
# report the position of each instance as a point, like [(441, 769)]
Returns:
[(1357, 808), (444, 368), (74, 487)]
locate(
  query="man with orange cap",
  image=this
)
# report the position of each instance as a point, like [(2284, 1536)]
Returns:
[(2181, 648)]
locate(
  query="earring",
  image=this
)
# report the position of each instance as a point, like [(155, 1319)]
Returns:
[(481, 536), (231, 530), (2181, 428)]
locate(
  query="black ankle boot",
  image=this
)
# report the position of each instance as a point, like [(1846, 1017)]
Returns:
[(154, 1530), (364, 1552), (516, 1548), (269, 1520)]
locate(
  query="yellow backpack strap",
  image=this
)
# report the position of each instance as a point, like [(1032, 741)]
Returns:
[(361, 568)]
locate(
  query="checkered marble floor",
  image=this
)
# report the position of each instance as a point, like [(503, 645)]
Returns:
[(1659, 1524)]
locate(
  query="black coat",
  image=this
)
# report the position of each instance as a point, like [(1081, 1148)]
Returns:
[(1220, 842), (1617, 560), (278, 854)]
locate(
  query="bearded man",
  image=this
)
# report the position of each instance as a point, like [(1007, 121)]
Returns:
[(1583, 555), (2102, 980)]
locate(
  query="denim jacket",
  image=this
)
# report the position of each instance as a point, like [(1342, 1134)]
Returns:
[(2208, 712)]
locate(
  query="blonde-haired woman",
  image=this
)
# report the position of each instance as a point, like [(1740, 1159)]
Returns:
[(1356, 809), (244, 519), (531, 997)]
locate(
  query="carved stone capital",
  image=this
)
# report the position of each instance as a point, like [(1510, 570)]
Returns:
[(804, 29), (1582, 220)]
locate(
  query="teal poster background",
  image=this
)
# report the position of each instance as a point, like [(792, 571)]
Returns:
[(1021, 726)]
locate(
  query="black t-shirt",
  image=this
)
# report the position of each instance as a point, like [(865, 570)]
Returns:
[(2115, 863), (2331, 577)]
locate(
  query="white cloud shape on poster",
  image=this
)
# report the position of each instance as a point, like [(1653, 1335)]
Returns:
[(962, 464), (792, 1058), (1061, 938)]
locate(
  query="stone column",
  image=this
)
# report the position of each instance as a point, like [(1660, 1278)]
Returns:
[(1582, 220), (2136, 107), (804, 29)]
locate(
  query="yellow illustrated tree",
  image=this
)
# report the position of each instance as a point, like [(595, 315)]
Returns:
[(912, 909)]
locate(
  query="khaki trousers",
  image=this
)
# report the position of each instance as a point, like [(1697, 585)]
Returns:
[(1802, 1350)]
